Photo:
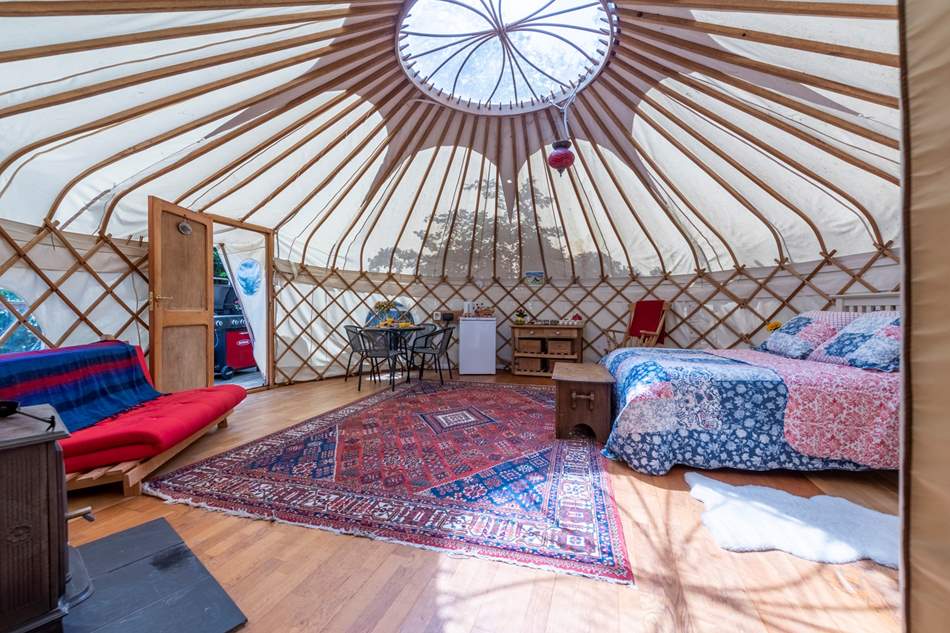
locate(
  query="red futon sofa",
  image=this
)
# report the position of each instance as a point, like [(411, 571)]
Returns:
[(126, 445)]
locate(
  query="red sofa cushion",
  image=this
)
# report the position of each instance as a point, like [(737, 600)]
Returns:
[(149, 429)]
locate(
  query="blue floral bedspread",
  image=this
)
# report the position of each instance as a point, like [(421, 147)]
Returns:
[(694, 408)]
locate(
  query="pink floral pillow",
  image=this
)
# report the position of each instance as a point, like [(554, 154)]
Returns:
[(801, 335)]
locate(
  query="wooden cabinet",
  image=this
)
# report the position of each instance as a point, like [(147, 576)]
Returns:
[(537, 347), (32, 524)]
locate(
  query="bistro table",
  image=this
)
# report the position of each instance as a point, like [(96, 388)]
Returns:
[(398, 340)]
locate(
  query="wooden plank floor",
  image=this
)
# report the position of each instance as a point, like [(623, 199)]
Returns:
[(291, 579)]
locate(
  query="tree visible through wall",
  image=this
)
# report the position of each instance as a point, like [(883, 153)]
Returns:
[(464, 228)]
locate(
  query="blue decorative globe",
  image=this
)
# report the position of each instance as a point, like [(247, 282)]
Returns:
[(249, 276)]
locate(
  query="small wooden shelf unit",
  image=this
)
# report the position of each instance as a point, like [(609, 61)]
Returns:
[(538, 347)]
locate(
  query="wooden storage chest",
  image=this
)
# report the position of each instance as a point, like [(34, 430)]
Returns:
[(558, 346), (527, 366), (529, 345), (584, 392)]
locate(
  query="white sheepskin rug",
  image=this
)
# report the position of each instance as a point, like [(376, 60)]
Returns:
[(823, 529)]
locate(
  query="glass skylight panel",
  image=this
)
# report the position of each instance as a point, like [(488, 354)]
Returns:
[(504, 56)]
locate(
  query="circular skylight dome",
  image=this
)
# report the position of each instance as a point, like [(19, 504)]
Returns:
[(504, 56)]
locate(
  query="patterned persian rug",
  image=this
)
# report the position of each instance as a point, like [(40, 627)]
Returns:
[(466, 468)]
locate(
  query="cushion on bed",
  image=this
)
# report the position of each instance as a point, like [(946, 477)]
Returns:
[(803, 334), (872, 341)]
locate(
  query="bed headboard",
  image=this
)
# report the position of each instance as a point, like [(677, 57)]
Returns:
[(868, 302)]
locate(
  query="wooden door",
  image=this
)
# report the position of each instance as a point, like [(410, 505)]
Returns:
[(181, 297)]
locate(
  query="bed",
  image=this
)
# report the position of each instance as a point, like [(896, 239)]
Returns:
[(753, 410)]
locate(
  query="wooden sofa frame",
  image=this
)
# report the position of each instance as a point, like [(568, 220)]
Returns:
[(132, 473)]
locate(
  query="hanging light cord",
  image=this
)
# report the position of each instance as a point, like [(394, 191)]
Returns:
[(563, 106)]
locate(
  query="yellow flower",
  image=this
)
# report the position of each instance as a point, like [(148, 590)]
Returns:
[(774, 325)]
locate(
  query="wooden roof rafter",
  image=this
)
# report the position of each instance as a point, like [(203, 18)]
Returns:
[(442, 182), (760, 143), (578, 186), (190, 66), (173, 33), (444, 130), (478, 200), (285, 131), (458, 197), (556, 199), (733, 116), (46, 8), (183, 129), (420, 128), (690, 132), (712, 173), (403, 114), (138, 111), (671, 185), (637, 44), (397, 90), (870, 11), (204, 149)]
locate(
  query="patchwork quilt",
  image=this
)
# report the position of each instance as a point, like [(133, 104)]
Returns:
[(749, 410)]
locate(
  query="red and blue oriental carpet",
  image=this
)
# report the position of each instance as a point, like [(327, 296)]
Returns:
[(467, 468)]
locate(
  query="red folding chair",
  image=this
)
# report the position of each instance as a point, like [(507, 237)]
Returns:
[(647, 327)]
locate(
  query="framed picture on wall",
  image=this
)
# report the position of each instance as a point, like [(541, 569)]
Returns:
[(534, 279)]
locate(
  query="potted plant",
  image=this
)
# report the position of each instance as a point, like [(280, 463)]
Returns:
[(520, 316)]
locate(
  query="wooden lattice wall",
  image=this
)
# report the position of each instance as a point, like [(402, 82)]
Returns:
[(97, 287), (726, 309), (76, 288)]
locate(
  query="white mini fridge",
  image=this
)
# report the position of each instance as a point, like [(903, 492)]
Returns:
[(477, 345)]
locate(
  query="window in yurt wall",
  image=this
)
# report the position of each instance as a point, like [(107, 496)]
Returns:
[(16, 336)]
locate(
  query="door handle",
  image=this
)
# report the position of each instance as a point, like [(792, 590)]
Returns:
[(152, 298), (582, 396)]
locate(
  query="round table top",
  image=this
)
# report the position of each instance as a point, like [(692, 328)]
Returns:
[(394, 328)]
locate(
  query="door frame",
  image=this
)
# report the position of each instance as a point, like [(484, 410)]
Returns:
[(268, 275), (154, 275)]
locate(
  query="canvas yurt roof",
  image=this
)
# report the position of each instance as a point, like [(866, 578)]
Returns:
[(378, 139), (719, 133)]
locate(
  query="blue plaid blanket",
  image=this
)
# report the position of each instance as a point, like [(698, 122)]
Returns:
[(86, 384)]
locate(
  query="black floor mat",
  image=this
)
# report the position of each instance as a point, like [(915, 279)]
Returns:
[(146, 580)]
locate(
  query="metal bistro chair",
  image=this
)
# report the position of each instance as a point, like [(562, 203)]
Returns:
[(418, 341), (435, 345), (356, 347), (376, 348)]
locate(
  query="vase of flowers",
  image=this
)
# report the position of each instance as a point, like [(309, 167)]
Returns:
[(388, 312), (520, 316)]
